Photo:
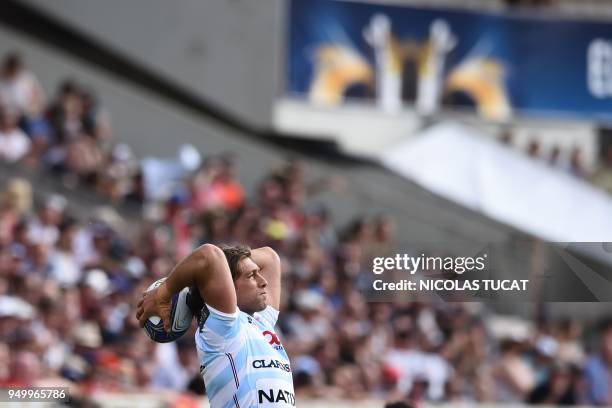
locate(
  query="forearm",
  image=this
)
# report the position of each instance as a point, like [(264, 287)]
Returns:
[(269, 263), (264, 257), (207, 269), (195, 269)]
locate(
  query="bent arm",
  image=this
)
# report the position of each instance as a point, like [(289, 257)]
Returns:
[(269, 263), (207, 269)]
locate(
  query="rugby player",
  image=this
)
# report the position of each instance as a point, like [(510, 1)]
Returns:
[(242, 360)]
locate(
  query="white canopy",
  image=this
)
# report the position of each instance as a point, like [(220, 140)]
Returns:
[(458, 163)]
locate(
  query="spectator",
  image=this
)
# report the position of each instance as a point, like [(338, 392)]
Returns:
[(65, 113), (310, 324), (25, 369), (569, 336), (514, 377), (555, 154), (19, 88), (577, 167), (558, 389), (506, 138), (14, 144), (176, 372), (17, 197), (597, 370), (602, 177), (115, 179), (533, 149), (5, 369), (83, 157), (95, 119), (225, 191), (44, 227), (63, 266), (15, 203)]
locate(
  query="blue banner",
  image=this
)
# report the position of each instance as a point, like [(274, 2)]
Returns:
[(499, 64)]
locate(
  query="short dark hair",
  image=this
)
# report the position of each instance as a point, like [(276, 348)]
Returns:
[(12, 61), (605, 325), (235, 254)]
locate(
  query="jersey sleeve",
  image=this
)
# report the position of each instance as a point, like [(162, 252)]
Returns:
[(269, 316), (218, 329)]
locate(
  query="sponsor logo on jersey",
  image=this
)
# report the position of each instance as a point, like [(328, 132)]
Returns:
[(276, 396), (272, 364), (273, 340)]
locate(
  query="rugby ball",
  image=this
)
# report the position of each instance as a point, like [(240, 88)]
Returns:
[(180, 316)]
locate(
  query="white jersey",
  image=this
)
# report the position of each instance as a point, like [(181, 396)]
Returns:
[(242, 361)]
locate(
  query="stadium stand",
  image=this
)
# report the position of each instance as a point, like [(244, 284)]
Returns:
[(51, 258), (70, 275)]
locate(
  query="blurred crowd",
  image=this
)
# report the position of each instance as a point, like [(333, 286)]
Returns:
[(69, 134), (68, 286), (570, 161)]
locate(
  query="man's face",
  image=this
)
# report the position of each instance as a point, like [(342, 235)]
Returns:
[(250, 287)]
